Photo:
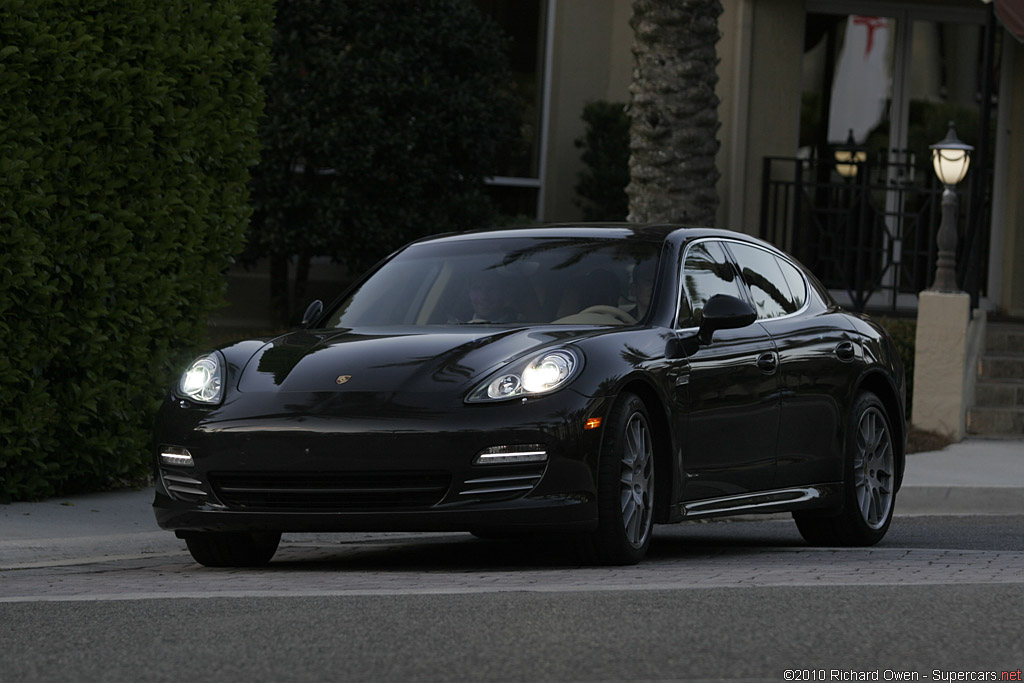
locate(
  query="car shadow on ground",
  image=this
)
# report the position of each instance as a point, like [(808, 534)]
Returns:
[(687, 542), (464, 552)]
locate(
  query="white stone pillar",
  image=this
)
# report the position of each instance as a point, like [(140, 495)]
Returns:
[(940, 363)]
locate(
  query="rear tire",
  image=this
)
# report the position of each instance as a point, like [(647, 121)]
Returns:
[(869, 490), (232, 549), (625, 491)]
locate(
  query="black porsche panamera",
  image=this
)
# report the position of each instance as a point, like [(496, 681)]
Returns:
[(580, 380)]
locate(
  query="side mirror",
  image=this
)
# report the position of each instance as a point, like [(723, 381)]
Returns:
[(313, 312), (724, 312)]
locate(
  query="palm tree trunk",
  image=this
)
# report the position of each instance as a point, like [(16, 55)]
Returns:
[(674, 112)]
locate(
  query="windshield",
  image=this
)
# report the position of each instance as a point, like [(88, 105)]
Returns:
[(512, 281)]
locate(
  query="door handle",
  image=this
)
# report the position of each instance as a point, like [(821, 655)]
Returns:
[(845, 350), (768, 362)]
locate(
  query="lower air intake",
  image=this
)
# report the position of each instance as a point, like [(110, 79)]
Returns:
[(331, 491)]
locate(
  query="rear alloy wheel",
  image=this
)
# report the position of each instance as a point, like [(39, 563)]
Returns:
[(625, 486), (232, 549), (869, 494)]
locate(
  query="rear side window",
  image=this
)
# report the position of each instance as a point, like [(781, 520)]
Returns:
[(706, 272), (797, 284), (769, 286)]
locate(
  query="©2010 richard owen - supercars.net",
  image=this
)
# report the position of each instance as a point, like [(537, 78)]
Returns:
[(587, 381)]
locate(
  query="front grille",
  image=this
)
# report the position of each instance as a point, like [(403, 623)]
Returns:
[(330, 491)]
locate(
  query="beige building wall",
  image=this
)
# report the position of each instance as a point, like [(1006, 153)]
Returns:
[(735, 59), (759, 85), (591, 60), (1011, 299)]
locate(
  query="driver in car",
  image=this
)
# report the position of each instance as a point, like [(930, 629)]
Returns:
[(488, 295)]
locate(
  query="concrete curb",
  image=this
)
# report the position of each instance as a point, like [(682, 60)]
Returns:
[(960, 500)]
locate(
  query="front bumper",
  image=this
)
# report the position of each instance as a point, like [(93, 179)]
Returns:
[(295, 472)]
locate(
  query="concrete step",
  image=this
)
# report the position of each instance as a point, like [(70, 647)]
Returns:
[(1001, 367), (1004, 339), (999, 394), (989, 421)]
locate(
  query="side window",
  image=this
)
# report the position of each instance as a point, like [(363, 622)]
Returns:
[(763, 275), (706, 272), (797, 283)]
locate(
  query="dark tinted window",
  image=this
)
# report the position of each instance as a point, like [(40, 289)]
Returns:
[(764, 277), (513, 281), (797, 284), (706, 272)]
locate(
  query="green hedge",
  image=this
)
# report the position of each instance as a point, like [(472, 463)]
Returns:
[(127, 129)]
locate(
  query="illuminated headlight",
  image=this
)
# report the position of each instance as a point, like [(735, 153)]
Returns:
[(539, 375), (203, 381)]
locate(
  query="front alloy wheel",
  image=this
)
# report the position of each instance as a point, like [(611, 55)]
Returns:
[(636, 492), (625, 496)]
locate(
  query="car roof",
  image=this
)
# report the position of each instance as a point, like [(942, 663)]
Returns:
[(654, 232)]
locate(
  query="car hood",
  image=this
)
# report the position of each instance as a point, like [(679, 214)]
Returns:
[(394, 360)]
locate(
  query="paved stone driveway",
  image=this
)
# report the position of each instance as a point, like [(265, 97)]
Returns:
[(445, 564)]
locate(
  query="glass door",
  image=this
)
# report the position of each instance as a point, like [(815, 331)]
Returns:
[(848, 74)]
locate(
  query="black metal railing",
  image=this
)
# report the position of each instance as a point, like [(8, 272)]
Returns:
[(871, 236)]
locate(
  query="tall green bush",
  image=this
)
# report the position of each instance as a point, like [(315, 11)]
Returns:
[(382, 121), (127, 129)]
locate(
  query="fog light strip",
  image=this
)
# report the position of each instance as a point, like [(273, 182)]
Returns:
[(492, 480), (505, 489), (499, 458), (503, 455), (176, 455)]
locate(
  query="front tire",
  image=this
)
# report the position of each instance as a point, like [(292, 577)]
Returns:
[(232, 549), (625, 492), (869, 490)]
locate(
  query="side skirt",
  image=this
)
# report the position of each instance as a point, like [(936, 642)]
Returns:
[(781, 500)]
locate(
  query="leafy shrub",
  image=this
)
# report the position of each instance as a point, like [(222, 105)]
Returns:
[(382, 120), (903, 332), (605, 145), (127, 130)]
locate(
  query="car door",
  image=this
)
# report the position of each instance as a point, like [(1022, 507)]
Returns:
[(730, 395), (815, 353)]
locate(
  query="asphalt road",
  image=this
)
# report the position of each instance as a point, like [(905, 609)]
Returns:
[(941, 597), (701, 634)]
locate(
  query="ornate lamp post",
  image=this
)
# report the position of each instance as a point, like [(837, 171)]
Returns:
[(950, 158)]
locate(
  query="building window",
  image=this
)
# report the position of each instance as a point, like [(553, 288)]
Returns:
[(515, 187)]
